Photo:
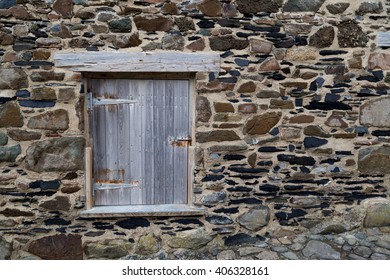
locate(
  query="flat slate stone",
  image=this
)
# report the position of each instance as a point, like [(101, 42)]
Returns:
[(320, 250)]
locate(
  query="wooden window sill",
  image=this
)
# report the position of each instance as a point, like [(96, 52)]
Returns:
[(142, 210)]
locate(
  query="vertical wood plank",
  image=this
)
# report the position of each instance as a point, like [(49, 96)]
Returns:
[(168, 147), (148, 169)]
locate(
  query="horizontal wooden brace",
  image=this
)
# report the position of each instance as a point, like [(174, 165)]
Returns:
[(138, 61)]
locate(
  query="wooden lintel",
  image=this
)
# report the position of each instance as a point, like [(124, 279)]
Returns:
[(138, 61)]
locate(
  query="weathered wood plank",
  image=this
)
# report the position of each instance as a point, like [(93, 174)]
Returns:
[(168, 147), (138, 61)]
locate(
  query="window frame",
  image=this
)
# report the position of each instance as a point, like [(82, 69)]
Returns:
[(154, 65)]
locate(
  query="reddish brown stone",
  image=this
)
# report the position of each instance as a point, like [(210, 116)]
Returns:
[(229, 10), (247, 108), (97, 28), (173, 42), (6, 39), (52, 120), (260, 46), (70, 189), (59, 203), (269, 65), (262, 124), (302, 118), (170, 9), (281, 104), (85, 13), (66, 94), (78, 43), (41, 54), (13, 78), (211, 8), (197, 45), (153, 22), (58, 247), (379, 61), (336, 120), (20, 12), (216, 135), (127, 41), (44, 76), (10, 115), (63, 8), (48, 43), (220, 107), (252, 159), (247, 87), (43, 93), (213, 86), (225, 43), (8, 212)]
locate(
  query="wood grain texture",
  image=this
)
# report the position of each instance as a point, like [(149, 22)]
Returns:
[(138, 62)]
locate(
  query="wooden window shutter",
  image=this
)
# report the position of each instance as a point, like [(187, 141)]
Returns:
[(138, 155)]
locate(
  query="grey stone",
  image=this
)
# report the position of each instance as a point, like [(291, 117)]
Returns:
[(3, 139), (279, 249), (378, 256), (290, 255), (5, 249), (147, 244), (62, 154), (255, 219), (213, 198), (268, 255), (226, 255), (370, 8), (362, 251), (245, 251), (173, 42), (296, 246), (266, 93), (337, 8), (13, 78), (320, 250), (52, 120), (374, 161), (376, 112), (378, 215), (383, 243), (303, 5), (226, 43), (10, 115), (190, 239), (5, 4), (107, 249), (122, 25), (9, 154)]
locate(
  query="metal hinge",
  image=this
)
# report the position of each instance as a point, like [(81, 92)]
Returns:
[(91, 102)]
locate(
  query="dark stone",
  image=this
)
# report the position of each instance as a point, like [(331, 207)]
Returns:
[(332, 52), (232, 210), (270, 149), (23, 135), (58, 247), (187, 221), (314, 142), (5, 4), (233, 157), (374, 161), (3, 139), (133, 223), (206, 24), (102, 225), (36, 103), (59, 203), (62, 154), (292, 159), (303, 5), (247, 170), (45, 185), (8, 212), (322, 38), (23, 93), (351, 35), (226, 43), (370, 8), (122, 25), (219, 220), (295, 213), (57, 222), (246, 201), (9, 153), (380, 133), (317, 105), (315, 130), (33, 63), (216, 135), (337, 8), (256, 6), (212, 178), (240, 189), (214, 198), (241, 239), (269, 188)]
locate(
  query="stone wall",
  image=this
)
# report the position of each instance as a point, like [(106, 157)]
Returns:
[(292, 152)]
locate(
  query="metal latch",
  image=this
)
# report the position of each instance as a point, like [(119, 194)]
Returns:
[(180, 141)]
